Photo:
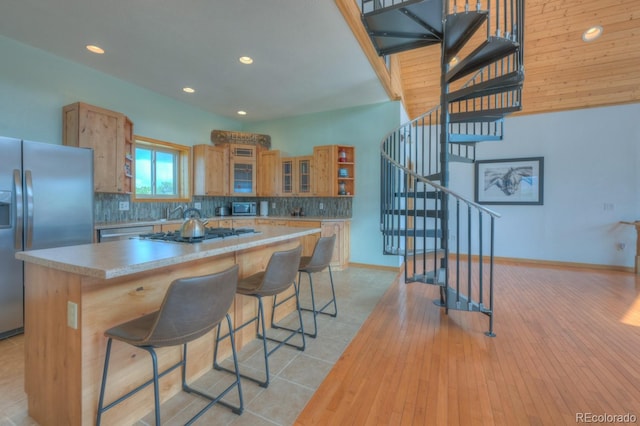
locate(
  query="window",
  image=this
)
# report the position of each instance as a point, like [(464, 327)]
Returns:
[(161, 170)]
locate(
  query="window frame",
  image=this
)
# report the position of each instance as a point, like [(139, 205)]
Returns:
[(184, 160)]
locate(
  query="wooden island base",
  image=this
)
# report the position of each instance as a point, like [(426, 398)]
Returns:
[(63, 364)]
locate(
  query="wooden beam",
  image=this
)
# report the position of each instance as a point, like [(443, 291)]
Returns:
[(389, 80)]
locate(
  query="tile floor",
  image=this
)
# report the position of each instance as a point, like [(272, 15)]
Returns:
[(294, 374)]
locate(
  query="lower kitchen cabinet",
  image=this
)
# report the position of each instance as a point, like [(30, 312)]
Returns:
[(308, 241), (169, 227), (340, 227), (272, 222), (341, 250)]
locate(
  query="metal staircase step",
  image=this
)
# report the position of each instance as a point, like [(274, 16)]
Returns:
[(413, 232), (404, 26), (459, 138), (436, 177), (460, 27), (414, 252), (502, 84), (488, 115), (460, 302), (431, 195), (460, 159), (432, 277), (493, 49), (434, 214)]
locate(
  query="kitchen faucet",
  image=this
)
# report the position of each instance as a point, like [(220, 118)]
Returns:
[(170, 211)]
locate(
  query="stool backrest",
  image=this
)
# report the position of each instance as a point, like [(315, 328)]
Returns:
[(322, 254), (281, 271), (192, 307)]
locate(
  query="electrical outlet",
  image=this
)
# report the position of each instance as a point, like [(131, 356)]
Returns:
[(321, 206), (123, 205), (72, 315), (197, 205)]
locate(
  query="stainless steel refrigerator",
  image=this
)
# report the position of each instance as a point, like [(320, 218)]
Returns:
[(46, 200)]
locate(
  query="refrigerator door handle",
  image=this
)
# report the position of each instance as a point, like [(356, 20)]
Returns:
[(17, 182), (29, 209)]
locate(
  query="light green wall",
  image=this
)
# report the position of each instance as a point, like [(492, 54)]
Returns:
[(34, 86), (363, 127)]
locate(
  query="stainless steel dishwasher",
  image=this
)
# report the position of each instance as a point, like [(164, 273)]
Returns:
[(122, 233)]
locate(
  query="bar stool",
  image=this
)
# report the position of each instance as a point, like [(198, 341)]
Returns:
[(191, 308), (279, 276), (317, 262)]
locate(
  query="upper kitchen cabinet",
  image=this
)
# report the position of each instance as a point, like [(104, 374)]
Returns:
[(269, 173), (242, 166), (210, 170), (110, 135), (296, 176), (334, 171), (244, 150), (303, 176)]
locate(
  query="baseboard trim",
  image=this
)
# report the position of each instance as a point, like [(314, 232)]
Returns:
[(550, 263), (559, 264), (517, 261), (372, 266)]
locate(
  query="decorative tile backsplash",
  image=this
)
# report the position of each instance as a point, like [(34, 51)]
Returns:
[(107, 207)]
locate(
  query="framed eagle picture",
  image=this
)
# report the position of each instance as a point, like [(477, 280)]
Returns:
[(510, 181)]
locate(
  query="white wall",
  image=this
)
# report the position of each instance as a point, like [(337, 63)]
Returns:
[(591, 158)]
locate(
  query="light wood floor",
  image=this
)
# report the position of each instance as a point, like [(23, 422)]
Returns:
[(568, 342)]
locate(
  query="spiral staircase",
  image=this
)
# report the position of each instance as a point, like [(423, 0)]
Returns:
[(446, 239)]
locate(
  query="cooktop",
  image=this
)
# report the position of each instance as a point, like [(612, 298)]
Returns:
[(210, 234)]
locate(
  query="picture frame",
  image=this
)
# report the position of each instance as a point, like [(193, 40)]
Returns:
[(511, 181)]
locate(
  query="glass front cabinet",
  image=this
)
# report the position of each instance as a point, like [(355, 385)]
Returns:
[(295, 174), (242, 167)]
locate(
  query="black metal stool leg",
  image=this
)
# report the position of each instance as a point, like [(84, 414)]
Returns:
[(104, 383), (156, 385)]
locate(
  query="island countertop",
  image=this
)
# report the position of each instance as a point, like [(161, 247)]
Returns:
[(126, 257), (124, 224), (73, 294)]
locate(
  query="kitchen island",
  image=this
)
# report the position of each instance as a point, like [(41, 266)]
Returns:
[(73, 294)]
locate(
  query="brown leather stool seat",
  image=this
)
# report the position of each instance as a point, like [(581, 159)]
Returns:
[(278, 277), (317, 262), (191, 308)]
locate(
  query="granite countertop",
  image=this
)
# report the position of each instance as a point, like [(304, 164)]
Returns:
[(173, 221), (126, 257)]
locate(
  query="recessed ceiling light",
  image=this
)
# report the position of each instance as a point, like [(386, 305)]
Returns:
[(246, 60), (592, 33), (188, 90), (242, 112), (95, 49)]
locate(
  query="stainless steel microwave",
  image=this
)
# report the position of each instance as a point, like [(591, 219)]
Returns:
[(244, 208)]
